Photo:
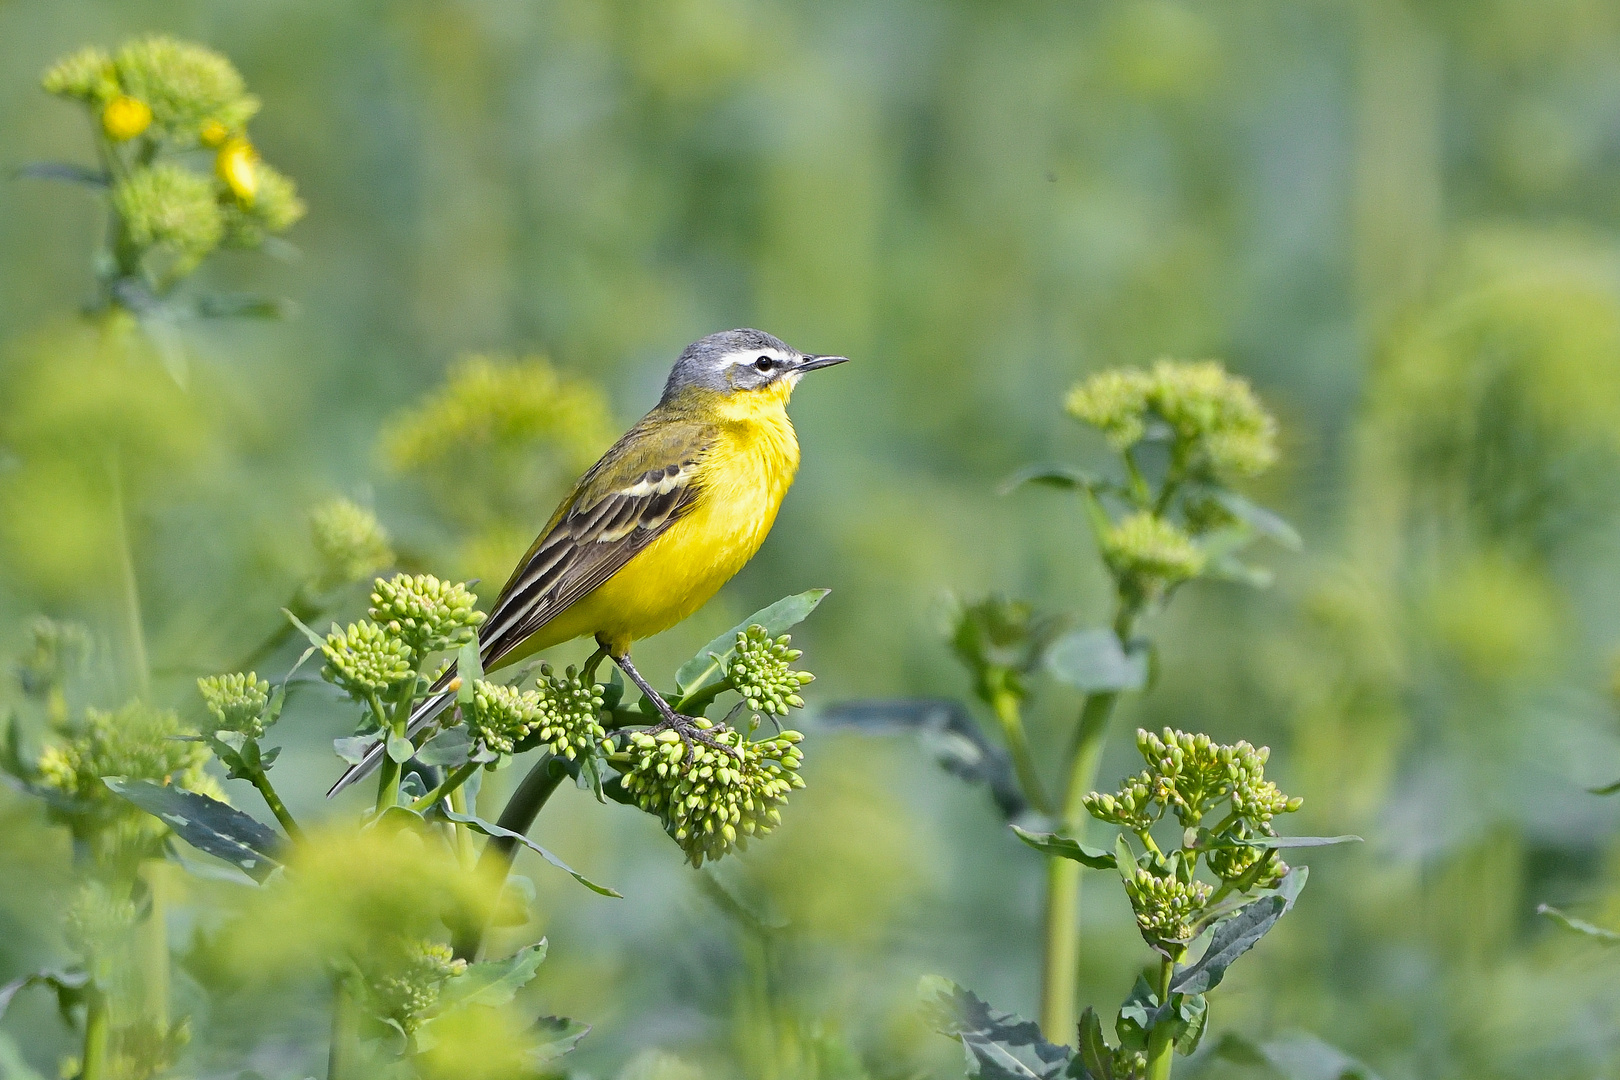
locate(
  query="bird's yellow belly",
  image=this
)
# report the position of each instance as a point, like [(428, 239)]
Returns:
[(678, 572)]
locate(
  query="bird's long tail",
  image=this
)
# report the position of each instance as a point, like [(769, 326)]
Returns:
[(439, 698)]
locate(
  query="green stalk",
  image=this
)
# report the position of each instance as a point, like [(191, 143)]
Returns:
[(342, 1053), (1161, 1047), (129, 588), (521, 810), (388, 775), (1009, 714), (261, 780), (95, 1033), (1060, 959), (458, 804), (154, 946)]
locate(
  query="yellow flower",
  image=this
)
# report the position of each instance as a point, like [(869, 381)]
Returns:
[(125, 117), (213, 134), (237, 165)]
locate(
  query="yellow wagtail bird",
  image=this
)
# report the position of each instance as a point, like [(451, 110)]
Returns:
[(651, 531)]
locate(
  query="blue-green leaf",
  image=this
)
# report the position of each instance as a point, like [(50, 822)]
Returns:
[(998, 1045), (487, 828), (494, 982), (1238, 935), (1579, 926), (206, 824), (1067, 847), (1094, 661)]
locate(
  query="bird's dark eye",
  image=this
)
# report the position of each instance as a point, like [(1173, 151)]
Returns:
[(764, 363)]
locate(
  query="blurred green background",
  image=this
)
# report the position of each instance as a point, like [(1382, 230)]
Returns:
[(1400, 220)]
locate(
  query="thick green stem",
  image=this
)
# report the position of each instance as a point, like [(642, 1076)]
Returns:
[(463, 837), (1061, 956), (261, 780), (154, 945), (388, 776), (1008, 712), (521, 810), (95, 1034), (1161, 1046), (341, 1054), (128, 587), (1060, 959)]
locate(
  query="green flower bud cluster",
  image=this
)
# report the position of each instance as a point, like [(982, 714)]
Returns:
[(711, 800), (170, 207), (1167, 907), (55, 650), (237, 701), (349, 542), (501, 715), (759, 672), (570, 712), (366, 660), (1151, 552), (186, 88), (408, 994), (137, 741), (97, 921), (1221, 428), (425, 613), (274, 207), (1232, 863), (1189, 774)]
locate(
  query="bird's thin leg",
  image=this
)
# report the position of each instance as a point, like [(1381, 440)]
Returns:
[(672, 720)]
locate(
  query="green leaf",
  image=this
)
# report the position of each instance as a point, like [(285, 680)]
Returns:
[(479, 825), (1095, 1060), (1607, 789), (1579, 926), (998, 1045), (1193, 1012), (1207, 841), (559, 1035), (450, 747), (354, 748), (1238, 935), (58, 170), (1295, 1056), (1267, 523), (400, 748), (243, 306), (1094, 661), (1058, 476), (1066, 847), (206, 824), (68, 984), (778, 618), (1124, 859), (314, 639), (494, 982)]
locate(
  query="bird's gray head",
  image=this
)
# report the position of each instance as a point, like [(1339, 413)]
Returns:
[(741, 360)]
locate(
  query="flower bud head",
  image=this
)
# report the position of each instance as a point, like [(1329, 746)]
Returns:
[(1152, 551), (425, 613), (711, 801), (349, 542), (759, 672), (570, 711), (408, 988), (1167, 908), (186, 86), (171, 207), (366, 660), (237, 701), (56, 650), (87, 75)]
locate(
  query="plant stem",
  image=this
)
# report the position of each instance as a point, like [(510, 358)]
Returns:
[(154, 945), (95, 1033), (340, 1055), (261, 780), (458, 804), (1060, 961), (521, 810), (131, 593), (1161, 1047), (1008, 712), (451, 787), (388, 775)]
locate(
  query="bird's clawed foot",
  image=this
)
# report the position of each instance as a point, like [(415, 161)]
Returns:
[(691, 730)]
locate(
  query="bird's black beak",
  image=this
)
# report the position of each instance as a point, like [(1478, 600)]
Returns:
[(810, 363)]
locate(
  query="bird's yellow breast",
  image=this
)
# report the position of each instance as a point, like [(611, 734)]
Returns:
[(742, 479)]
